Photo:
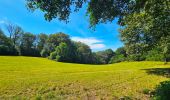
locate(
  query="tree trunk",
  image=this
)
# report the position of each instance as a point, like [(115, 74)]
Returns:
[(165, 61)]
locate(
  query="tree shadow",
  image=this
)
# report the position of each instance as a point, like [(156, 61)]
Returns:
[(159, 71)]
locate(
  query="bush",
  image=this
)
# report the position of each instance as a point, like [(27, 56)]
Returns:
[(163, 91), (136, 57), (58, 58), (146, 91), (154, 55), (44, 53), (53, 55), (117, 58)]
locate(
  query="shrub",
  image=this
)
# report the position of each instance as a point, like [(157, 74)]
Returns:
[(163, 91), (135, 57), (58, 58), (117, 58), (44, 53), (146, 91), (53, 55), (154, 55)]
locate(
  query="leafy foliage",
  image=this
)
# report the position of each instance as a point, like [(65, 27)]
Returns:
[(155, 55), (120, 55), (145, 23), (163, 91), (105, 56)]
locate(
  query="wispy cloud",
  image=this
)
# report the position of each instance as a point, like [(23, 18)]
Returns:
[(91, 41), (2, 22)]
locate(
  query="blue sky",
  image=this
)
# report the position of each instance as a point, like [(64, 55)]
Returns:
[(105, 35)]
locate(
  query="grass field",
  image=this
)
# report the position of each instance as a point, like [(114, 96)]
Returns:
[(40, 78)]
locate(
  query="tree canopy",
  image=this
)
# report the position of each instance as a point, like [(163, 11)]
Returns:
[(145, 23), (144, 31)]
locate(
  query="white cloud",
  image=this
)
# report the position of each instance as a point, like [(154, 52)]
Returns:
[(91, 41), (97, 46), (2, 22)]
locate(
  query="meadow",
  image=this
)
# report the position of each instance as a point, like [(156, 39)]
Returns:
[(39, 78)]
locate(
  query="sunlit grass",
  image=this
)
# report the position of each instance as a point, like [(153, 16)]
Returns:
[(36, 78)]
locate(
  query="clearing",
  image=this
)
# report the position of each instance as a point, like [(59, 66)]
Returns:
[(40, 78)]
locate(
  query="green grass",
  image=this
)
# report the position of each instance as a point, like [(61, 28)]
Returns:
[(40, 78)]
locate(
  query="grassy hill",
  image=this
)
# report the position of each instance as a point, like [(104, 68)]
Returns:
[(36, 78)]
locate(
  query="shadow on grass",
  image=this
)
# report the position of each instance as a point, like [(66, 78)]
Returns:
[(162, 91), (159, 71)]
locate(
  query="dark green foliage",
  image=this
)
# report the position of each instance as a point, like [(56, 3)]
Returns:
[(145, 23), (105, 56), (155, 55), (6, 47), (42, 41), (147, 27), (63, 53), (99, 11), (162, 91), (28, 47), (83, 53), (44, 53), (53, 55), (57, 38), (55, 8), (119, 56)]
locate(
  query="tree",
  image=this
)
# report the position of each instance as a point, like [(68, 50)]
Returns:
[(166, 48), (44, 53), (6, 47), (147, 28), (27, 45), (15, 35), (98, 10), (83, 53), (117, 59), (155, 55), (42, 41), (119, 56), (57, 38), (11, 29), (62, 53), (105, 56)]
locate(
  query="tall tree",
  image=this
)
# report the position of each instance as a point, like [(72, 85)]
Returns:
[(27, 45), (42, 41), (11, 29), (57, 38), (105, 56), (147, 28), (84, 53), (6, 47), (63, 53)]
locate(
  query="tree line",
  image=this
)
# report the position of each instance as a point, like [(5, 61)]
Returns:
[(60, 47)]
